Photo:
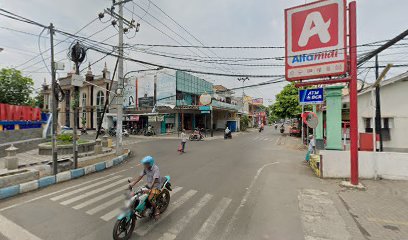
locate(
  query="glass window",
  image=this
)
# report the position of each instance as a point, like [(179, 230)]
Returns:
[(100, 101)]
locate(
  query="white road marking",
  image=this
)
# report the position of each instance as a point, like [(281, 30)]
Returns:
[(84, 188), (175, 190), (111, 214), (85, 195), (13, 231), (143, 230), (183, 222), (234, 217), (98, 198), (266, 139), (115, 212), (59, 191), (209, 225), (105, 205)]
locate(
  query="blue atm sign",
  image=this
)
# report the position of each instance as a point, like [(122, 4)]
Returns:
[(311, 96)]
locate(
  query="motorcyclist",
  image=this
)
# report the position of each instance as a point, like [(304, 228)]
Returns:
[(227, 132), (152, 172)]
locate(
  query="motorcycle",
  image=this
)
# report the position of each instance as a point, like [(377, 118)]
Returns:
[(196, 136), (83, 131), (282, 129), (228, 135), (138, 206), (149, 133), (261, 129)]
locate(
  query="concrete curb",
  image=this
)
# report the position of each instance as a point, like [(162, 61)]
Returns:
[(60, 177)]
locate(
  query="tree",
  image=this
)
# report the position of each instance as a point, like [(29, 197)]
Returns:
[(15, 89), (287, 103), (244, 122), (38, 100)]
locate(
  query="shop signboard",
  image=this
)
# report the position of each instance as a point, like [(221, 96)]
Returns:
[(311, 96), (257, 101), (315, 40), (152, 119), (146, 102)]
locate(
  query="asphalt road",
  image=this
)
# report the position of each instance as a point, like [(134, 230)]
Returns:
[(244, 188)]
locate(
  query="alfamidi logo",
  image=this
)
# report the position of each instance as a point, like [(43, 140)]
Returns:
[(314, 56)]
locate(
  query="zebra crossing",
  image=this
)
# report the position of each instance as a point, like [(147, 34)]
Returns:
[(104, 199)]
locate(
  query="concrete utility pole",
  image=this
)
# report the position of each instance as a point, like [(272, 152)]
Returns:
[(54, 103), (119, 148), (119, 91)]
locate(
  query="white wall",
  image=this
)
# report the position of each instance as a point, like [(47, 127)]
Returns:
[(393, 106), (386, 165)]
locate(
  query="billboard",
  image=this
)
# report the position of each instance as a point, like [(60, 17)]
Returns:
[(129, 93), (315, 41), (257, 101), (166, 88)]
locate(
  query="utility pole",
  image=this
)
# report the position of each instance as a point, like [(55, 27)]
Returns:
[(119, 148), (77, 55), (378, 106), (54, 103), (119, 91)]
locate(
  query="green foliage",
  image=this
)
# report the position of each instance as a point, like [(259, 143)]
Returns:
[(244, 122), (15, 89), (65, 138), (38, 100), (287, 103)]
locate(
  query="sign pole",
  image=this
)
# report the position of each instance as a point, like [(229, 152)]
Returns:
[(353, 94), (302, 128)]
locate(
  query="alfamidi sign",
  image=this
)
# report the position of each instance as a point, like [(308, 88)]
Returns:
[(315, 40)]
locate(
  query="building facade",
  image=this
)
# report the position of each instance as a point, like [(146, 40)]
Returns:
[(92, 97)]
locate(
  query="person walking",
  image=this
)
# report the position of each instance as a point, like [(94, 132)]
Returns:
[(183, 140)]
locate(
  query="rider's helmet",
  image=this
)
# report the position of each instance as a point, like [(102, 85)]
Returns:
[(149, 160)]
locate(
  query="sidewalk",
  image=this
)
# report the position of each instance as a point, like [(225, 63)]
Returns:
[(381, 211)]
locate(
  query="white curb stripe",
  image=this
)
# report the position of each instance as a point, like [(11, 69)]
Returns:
[(184, 221), (85, 195), (143, 230), (211, 222), (84, 188), (13, 231)]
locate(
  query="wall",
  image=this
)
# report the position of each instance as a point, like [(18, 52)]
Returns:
[(386, 165), (19, 135), (391, 107)]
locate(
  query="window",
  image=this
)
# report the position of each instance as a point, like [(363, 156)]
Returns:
[(100, 101), (367, 125), (387, 123), (83, 120)]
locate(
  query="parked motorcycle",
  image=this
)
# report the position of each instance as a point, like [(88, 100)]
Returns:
[(83, 131), (138, 206), (150, 132)]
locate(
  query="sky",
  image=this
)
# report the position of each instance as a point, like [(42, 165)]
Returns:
[(212, 22)]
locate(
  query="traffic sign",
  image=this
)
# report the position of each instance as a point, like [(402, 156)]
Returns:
[(311, 96), (315, 40)]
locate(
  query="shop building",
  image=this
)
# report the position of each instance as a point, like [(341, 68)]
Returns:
[(176, 104)]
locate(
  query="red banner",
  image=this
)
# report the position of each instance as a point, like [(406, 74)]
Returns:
[(19, 113)]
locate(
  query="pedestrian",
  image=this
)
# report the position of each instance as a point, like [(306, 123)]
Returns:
[(183, 140), (312, 144)]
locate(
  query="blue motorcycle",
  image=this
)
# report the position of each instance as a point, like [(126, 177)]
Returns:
[(138, 206)]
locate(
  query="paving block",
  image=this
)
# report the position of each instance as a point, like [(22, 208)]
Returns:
[(28, 186), (63, 176), (100, 166), (89, 169), (109, 163), (9, 191), (76, 173), (46, 181)]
